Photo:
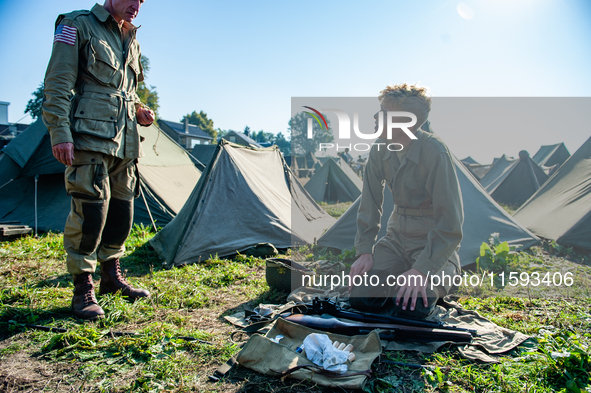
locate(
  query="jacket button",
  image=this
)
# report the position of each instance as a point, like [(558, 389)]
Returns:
[(81, 112), (112, 118)]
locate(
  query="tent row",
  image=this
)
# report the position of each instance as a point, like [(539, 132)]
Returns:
[(513, 181), (335, 181), (247, 196), (32, 190)]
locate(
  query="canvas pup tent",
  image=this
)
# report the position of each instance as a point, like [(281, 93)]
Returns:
[(561, 208), (246, 196)]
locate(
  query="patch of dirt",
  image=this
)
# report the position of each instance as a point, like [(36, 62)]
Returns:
[(22, 372)]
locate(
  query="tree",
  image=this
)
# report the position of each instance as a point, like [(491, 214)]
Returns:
[(200, 120), (221, 133), (283, 144), (298, 126), (262, 136), (34, 104), (148, 95)]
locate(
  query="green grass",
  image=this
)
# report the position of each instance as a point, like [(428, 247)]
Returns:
[(509, 208), (336, 210), (191, 301)]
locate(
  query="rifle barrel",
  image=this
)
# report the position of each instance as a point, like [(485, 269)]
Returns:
[(328, 307), (390, 332)]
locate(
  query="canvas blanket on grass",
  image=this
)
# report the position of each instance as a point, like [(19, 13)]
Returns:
[(491, 340), (264, 355)]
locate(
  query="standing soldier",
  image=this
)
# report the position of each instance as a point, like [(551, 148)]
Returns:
[(91, 110)]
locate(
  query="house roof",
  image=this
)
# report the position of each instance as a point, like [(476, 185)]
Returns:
[(180, 129), (246, 139), (5, 128)]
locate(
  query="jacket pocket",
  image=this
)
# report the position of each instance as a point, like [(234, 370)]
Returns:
[(96, 117), (135, 65), (102, 61), (415, 188)]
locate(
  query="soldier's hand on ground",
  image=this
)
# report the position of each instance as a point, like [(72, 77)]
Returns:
[(64, 152), (145, 116), (363, 264), (414, 286)]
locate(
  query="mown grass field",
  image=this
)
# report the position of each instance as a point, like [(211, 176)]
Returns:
[(191, 301)]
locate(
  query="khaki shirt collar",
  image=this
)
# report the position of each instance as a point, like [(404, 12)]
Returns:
[(102, 14)]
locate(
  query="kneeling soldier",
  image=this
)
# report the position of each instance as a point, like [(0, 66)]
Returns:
[(425, 228)]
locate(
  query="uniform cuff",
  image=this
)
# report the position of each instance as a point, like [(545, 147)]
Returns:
[(361, 249), (61, 136)]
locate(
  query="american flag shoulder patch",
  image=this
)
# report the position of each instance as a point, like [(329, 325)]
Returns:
[(65, 34)]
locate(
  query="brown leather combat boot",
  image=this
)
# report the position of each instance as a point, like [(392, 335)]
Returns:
[(112, 281), (84, 302)]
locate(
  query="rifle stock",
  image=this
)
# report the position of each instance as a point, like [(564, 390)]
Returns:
[(390, 332), (320, 306)]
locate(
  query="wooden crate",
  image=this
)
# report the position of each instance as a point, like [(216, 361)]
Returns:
[(8, 231)]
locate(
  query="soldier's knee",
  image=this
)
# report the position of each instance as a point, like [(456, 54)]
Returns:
[(119, 222), (86, 224)]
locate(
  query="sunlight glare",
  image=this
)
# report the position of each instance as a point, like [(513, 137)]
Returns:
[(465, 11)]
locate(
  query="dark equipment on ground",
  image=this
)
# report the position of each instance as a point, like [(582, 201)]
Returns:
[(391, 332), (396, 328), (326, 306)]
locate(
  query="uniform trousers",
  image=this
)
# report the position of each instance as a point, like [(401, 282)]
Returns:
[(103, 188), (395, 254)]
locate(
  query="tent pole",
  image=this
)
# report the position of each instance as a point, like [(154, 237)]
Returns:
[(148, 209), (36, 181)]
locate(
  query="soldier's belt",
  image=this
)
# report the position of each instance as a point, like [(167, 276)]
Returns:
[(126, 96), (414, 211)]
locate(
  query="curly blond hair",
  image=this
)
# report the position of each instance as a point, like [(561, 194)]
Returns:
[(409, 98)]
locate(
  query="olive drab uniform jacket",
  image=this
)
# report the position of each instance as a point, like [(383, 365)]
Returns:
[(429, 209), (91, 82)]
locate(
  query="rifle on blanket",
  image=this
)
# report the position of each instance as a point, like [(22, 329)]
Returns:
[(390, 332), (395, 328)]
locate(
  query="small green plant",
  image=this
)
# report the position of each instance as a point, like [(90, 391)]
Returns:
[(496, 256)]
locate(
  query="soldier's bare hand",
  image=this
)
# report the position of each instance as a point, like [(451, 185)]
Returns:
[(416, 282), (145, 116), (64, 152), (362, 265)]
